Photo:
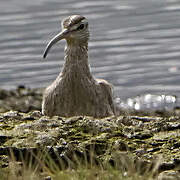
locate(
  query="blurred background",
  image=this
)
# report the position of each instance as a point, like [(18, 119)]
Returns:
[(134, 44)]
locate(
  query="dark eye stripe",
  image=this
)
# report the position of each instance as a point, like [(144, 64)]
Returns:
[(80, 27)]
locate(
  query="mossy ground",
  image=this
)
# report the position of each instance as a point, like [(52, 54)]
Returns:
[(122, 147)]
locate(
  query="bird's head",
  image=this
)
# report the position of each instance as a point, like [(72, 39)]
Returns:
[(74, 30)]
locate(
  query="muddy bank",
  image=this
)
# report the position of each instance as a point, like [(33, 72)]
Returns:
[(21, 99), (144, 141), (24, 99)]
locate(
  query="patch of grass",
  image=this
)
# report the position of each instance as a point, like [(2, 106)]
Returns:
[(42, 167)]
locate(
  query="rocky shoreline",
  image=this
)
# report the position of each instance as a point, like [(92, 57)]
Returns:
[(148, 142)]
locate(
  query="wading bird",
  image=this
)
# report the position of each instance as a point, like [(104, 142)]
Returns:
[(75, 92)]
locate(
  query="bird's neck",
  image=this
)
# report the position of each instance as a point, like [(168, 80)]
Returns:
[(76, 60)]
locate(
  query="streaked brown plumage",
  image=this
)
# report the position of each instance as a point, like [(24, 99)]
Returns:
[(75, 92)]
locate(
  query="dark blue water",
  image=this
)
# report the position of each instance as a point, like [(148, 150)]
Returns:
[(134, 44)]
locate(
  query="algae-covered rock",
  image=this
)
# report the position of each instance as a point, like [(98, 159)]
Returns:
[(144, 140)]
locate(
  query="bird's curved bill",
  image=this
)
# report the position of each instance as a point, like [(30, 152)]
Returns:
[(54, 40)]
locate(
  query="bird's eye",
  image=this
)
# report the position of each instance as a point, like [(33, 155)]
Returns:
[(80, 27)]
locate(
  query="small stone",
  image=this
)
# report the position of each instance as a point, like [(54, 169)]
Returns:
[(11, 114), (140, 152), (29, 117), (72, 120), (62, 141), (44, 119), (142, 136), (47, 178), (36, 114), (169, 175)]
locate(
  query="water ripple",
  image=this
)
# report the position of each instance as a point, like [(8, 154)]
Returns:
[(133, 45)]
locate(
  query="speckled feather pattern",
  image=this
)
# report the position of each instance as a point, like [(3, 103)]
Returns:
[(75, 92)]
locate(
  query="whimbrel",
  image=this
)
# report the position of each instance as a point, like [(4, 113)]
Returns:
[(75, 92)]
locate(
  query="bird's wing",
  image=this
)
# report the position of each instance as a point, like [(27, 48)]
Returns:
[(108, 89)]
